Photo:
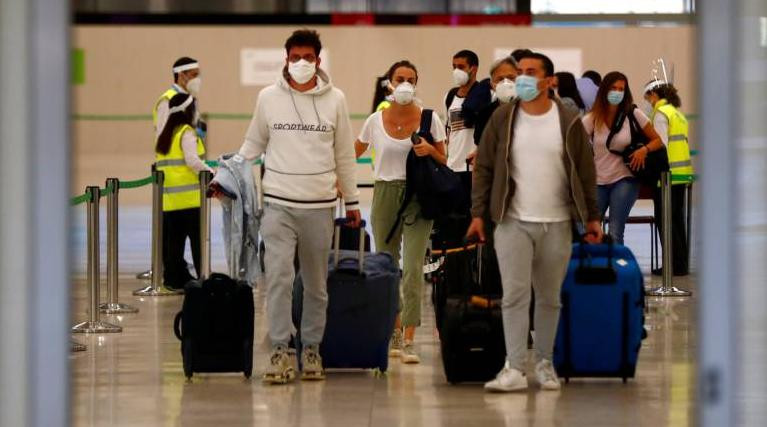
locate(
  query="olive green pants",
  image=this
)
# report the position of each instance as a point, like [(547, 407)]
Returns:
[(412, 233)]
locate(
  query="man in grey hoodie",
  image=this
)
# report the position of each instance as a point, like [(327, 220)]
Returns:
[(301, 124)]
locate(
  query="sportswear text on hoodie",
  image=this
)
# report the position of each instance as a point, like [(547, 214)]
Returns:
[(308, 143)]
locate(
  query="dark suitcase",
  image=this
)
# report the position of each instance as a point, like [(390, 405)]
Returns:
[(215, 326), (601, 324), (363, 298), (467, 303)]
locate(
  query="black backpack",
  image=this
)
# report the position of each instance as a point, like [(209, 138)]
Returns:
[(437, 188)]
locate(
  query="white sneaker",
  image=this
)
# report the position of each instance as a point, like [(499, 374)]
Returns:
[(546, 375), (509, 379), (409, 355)]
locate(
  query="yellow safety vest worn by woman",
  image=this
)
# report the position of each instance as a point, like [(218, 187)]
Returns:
[(166, 96), (678, 147), (182, 184)]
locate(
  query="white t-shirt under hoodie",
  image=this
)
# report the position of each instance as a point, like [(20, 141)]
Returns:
[(391, 153), (308, 145), (538, 170)]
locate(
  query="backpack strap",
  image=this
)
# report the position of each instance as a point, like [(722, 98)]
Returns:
[(449, 98), (425, 129), (424, 132)]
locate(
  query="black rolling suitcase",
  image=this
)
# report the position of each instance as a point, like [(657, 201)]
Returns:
[(215, 326), (467, 304), (216, 323)]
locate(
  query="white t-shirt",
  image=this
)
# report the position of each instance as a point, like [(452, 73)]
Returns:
[(461, 141), (538, 171), (391, 153)]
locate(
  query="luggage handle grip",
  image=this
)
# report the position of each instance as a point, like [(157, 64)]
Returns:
[(177, 326), (342, 222)]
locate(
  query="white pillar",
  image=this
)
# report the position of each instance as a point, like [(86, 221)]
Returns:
[(34, 171)]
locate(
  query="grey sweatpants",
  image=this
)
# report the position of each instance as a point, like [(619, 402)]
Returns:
[(536, 253), (310, 230)]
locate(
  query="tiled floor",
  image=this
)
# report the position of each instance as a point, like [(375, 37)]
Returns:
[(135, 378)]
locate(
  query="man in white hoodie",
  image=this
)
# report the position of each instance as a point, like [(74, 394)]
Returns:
[(301, 123)]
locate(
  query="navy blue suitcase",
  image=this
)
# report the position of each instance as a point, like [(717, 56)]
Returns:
[(363, 299), (601, 326)]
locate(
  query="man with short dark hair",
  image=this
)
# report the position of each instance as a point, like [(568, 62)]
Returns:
[(301, 124), (186, 79), (534, 173), (463, 103)]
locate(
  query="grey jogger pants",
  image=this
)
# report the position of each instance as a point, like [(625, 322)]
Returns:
[(310, 231), (536, 253)]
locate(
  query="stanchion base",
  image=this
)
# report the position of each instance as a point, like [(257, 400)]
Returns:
[(162, 291), (672, 291), (144, 275), (75, 346), (96, 328), (117, 308)]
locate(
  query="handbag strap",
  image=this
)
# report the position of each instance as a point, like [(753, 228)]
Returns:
[(620, 118)]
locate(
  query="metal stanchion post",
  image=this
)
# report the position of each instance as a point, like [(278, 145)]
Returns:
[(112, 306), (667, 289), (94, 324), (156, 287), (205, 178)]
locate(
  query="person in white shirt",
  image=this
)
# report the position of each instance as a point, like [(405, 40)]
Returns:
[(532, 192), (301, 124), (463, 103), (389, 132)]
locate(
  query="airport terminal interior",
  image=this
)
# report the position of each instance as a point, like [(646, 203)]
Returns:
[(89, 335)]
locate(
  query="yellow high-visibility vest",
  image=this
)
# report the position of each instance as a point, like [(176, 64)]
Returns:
[(167, 95), (678, 147), (182, 184)]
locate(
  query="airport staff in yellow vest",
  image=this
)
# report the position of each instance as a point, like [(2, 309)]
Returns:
[(177, 154), (187, 80), (671, 126)]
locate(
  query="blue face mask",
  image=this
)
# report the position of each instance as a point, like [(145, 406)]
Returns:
[(527, 87), (614, 97)]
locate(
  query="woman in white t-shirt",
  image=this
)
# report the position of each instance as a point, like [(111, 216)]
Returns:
[(389, 133), (617, 189)]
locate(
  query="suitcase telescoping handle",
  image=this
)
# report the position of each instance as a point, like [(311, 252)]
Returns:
[(342, 222)]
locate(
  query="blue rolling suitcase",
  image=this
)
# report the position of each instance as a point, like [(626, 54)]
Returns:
[(363, 297), (601, 326)]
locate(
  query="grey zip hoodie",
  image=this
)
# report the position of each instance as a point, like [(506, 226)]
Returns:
[(308, 143), (493, 187)]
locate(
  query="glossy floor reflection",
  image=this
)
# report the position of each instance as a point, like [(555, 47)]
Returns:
[(135, 378)]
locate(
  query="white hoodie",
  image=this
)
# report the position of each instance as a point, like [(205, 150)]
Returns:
[(308, 143)]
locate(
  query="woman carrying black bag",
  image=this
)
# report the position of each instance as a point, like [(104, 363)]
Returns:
[(609, 125), (389, 132)]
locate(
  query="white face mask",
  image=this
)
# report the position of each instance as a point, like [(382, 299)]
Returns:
[(193, 86), (302, 71), (404, 93), (505, 90), (460, 77)]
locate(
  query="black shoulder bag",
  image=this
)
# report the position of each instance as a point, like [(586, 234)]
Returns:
[(437, 188), (656, 161)]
